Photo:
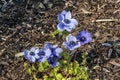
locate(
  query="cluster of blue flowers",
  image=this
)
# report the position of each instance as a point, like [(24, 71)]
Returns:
[(49, 53), (66, 22), (52, 53), (72, 42)]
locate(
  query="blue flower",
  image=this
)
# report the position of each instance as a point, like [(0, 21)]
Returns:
[(84, 37), (32, 54), (55, 54), (53, 61), (55, 50), (71, 42), (66, 22), (43, 55)]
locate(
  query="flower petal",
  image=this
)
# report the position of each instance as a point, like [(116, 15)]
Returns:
[(60, 17), (63, 12), (32, 59), (55, 64), (37, 51), (74, 21), (60, 27), (32, 49), (47, 52), (47, 46), (71, 38), (72, 25), (42, 59), (68, 29), (78, 45), (55, 46), (68, 15), (58, 51), (26, 54)]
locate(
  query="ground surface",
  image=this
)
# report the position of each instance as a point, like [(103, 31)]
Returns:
[(27, 23)]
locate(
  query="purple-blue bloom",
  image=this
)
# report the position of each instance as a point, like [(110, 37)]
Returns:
[(55, 50), (53, 61), (32, 54), (84, 37), (43, 55), (71, 43), (66, 22), (55, 54)]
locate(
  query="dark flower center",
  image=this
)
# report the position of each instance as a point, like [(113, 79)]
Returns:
[(83, 38), (72, 42), (52, 59), (52, 49), (32, 53), (42, 53), (67, 21)]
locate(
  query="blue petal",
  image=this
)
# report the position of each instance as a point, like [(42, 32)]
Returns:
[(55, 46), (47, 52), (78, 45), (63, 12), (32, 49), (42, 59), (60, 27), (74, 21), (68, 15), (37, 51), (58, 50), (60, 17), (72, 25), (67, 46), (32, 59), (55, 64), (47, 46), (68, 29), (26, 54), (71, 38)]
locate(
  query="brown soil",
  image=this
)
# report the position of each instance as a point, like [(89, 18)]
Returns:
[(27, 23)]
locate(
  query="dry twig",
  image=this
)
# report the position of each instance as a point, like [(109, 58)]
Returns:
[(102, 20)]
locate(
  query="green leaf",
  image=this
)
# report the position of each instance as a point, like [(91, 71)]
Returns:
[(34, 76), (33, 67), (56, 69), (84, 58), (40, 67), (25, 65), (45, 77), (45, 64), (55, 33), (59, 76), (76, 65), (70, 71), (29, 71)]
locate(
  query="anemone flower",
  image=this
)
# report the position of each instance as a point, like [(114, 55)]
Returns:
[(55, 54), (71, 42), (32, 54), (66, 22), (43, 55), (84, 37)]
